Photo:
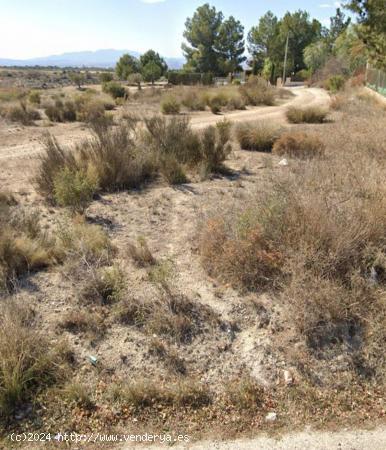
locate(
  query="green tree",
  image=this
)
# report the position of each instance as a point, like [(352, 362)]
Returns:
[(201, 32), (315, 55), (338, 25), (152, 57), (77, 78), (231, 45), (263, 41), (350, 50), (371, 27), (126, 65), (135, 78), (151, 71), (302, 31)]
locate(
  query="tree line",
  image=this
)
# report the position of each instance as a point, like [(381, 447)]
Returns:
[(216, 45)]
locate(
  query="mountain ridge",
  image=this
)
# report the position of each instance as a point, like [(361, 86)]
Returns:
[(102, 58)]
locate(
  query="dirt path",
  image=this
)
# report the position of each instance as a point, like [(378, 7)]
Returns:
[(343, 440)]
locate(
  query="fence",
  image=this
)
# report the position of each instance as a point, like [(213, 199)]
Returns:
[(376, 80)]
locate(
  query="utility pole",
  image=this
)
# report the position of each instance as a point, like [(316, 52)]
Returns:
[(285, 59)]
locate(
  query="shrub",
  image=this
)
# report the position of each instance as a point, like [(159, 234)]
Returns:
[(245, 393), (92, 111), (28, 362), (80, 241), (193, 100), (215, 104), (54, 159), (306, 115), (61, 112), (115, 89), (243, 257), (141, 253), (258, 136), (256, 91), (106, 77), (20, 113), (170, 105), (299, 145), (34, 97), (104, 286), (23, 246), (335, 83), (74, 188)]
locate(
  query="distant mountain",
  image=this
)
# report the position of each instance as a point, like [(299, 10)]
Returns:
[(99, 58)]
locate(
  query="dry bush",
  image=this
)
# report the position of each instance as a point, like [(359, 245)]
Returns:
[(24, 247), (61, 111), (244, 393), (170, 105), (34, 97), (256, 91), (20, 113), (299, 145), (78, 394), (311, 114), (168, 355), (259, 136), (141, 253), (80, 241), (193, 99), (239, 253), (103, 285), (28, 361), (79, 321)]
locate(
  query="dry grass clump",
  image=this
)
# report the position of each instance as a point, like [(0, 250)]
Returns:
[(170, 105), (311, 114), (150, 394), (24, 247), (79, 321), (245, 393), (239, 253), (28, 362), (141, 253), (104, 286), (256, 91), (259, 136), (299, 145), (20, 113)]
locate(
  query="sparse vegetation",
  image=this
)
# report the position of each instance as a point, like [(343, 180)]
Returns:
[(170, 105)]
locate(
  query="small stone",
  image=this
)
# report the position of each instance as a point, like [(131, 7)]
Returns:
[(288, 379), (283, 162), (271, 417)]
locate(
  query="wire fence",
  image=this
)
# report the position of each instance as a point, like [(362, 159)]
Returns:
[(376, 80)]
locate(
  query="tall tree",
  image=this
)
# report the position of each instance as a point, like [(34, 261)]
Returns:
[(338, 24), (301, 32), (315, 55), (372, 27), (201, 31), (231, 45), (214, 45), (263, 40), (126, 65), (152, 57)]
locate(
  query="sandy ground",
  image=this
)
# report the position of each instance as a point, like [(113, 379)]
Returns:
[(343, 440)]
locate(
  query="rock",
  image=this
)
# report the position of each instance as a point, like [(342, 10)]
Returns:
[(271, 417), (288, 378), (283, 162)]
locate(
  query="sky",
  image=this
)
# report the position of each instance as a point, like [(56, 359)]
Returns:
[(33, 28)]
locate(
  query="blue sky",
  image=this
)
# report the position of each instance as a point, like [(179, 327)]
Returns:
[(31, 28)]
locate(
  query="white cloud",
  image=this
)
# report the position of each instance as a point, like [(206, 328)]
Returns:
[(325, 5)]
